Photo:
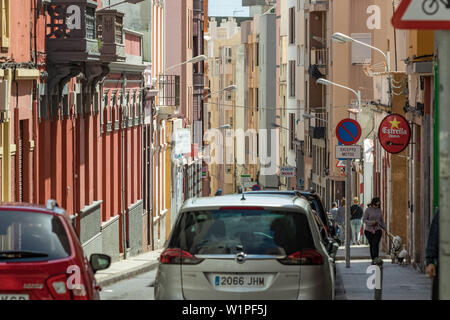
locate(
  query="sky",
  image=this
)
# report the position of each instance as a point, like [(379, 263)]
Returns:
[(227, 8)]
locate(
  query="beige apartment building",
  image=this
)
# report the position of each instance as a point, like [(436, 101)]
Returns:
[(224, 38)]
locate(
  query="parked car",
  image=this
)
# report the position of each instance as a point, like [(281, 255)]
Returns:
[(245, 247), (326, 228), (41, 257)]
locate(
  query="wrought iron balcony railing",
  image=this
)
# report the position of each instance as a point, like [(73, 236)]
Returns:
[(169, 91)]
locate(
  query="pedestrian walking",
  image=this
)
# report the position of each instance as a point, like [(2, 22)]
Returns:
[(332, 217), (432, 256), (374, 224), (356, 214), (340, 220)]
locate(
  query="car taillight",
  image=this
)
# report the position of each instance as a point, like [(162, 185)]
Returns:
[(305, 257), (58, 287), (178, 256)]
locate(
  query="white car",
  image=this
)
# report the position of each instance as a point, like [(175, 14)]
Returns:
[(248, 247)]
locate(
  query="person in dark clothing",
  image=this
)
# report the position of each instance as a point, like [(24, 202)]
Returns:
[(356, 214), (432, 256), (374, 224)]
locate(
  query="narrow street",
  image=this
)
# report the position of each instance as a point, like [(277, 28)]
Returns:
[(135, 288)]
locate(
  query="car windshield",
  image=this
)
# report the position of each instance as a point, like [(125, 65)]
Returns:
[(261, 232), (30, 236)]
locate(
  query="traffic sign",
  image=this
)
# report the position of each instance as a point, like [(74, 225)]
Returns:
[(256, 187), (340, 164), (348, 152), (348, 132), (422, 14), (394, 133)]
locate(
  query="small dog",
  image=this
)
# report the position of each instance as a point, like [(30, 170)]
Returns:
[(395, 249), (403, 257)]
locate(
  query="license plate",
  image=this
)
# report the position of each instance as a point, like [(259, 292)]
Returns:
[(14, 297), (239, 281)]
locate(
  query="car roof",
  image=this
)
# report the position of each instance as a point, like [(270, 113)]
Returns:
[(31, 207), (252, 200)]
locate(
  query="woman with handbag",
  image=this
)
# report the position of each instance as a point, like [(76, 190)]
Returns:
[(374, 224)]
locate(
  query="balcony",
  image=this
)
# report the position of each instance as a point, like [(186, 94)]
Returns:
[(316, 5), (319, 58), (168, 99), (317, 132), (71, 32), (198, 6), (199, 80), (110, 35)]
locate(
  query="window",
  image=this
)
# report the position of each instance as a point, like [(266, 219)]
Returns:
[(291, 130), (32, 232), (292, 78), (258, 231), (300, 55), (292, 25), (4, 23), (257, 54), (360, 53)]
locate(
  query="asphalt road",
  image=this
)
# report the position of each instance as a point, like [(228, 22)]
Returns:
[(137, 288), (141, 288)]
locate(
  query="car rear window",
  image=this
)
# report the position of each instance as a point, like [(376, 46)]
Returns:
[(262, 232), (32, 232)]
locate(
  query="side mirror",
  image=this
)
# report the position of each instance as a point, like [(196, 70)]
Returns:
[(99, 261)]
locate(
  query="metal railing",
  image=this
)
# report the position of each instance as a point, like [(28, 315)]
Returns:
[(169, 91)]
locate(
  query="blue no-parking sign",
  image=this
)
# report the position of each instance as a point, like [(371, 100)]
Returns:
[(348, 132)]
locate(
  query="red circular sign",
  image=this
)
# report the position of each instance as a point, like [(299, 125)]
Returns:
[(348, 132), (394, 133)]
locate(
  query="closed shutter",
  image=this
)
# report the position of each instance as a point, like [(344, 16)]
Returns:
[(291, 130), (360, 53), (19, 155)]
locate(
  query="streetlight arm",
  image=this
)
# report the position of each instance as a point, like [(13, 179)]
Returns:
[(344, 87), (372, 47), (118, 3)]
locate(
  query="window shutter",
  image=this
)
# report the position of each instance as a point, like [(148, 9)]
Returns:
[(361, 54)]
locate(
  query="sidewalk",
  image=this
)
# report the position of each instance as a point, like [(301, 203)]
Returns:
[(131, 267), (399, 282)]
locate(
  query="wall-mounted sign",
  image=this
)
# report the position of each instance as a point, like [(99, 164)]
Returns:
[(394, 133), (348, 152), (287, 172), (182, 141)]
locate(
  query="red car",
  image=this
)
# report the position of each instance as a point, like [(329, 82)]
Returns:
[(41, 257)]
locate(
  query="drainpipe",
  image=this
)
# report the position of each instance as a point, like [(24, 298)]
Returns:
[(436, 139), (124, 213), (6, 135)]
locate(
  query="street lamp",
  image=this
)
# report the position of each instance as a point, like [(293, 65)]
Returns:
[(118, 3), (192, 60), (232, 87), (348, 171), (326, 82), (342, 38), (310, 116)]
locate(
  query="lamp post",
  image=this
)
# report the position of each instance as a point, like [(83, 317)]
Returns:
[(118, 3), (348, 170), (343, 38), (196, 59)]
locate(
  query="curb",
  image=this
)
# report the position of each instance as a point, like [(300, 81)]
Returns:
[(361, 258), (112, 279)]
